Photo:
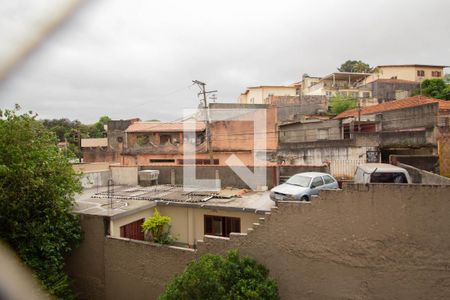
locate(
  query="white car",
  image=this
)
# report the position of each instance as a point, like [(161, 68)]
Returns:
[(302, 186), (380, 173)]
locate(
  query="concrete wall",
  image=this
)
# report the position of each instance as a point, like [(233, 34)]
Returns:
[(86, 265), (174, 175), (310, 131), (424, 177), (94, 179), (413, 117), (425, 162), (122, 175), (364, 242)]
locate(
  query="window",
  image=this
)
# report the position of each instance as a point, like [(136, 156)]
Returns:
[(436, 74), (328, 93), (388, 178), (318, 181), (366, 94), (132, 230), (322, 134), (197, 161), (162, 160), (328, 179), (420, 73), (221, 226)]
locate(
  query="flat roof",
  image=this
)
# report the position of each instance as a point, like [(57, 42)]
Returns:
[(130, 199), (346, 75), (412, 65)]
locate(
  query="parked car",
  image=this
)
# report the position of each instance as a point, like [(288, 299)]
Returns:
[(302, 186), (381, 173)]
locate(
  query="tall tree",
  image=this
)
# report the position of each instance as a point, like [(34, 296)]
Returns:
[(37, 186), (355, 66), (435, 88)]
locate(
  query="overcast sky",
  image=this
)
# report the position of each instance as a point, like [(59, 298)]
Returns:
[(137, 58)]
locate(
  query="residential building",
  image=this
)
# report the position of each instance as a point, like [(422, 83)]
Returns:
[(194, 213), (390, 89), (412, 72), (107, 149), (261, 94), (408, 126), (163, 143), (308, 82), (338, 83)]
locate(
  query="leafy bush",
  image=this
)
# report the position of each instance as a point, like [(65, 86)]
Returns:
[(217, 277), (159, 228), (340, 104), (37, 185), (435, 88)]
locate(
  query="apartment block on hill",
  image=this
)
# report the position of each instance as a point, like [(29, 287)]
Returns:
[(412, 72)]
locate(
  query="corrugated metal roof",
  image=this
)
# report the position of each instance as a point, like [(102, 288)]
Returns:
[(164, 126)]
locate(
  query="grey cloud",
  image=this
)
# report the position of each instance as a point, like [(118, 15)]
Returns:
[(127, 59)]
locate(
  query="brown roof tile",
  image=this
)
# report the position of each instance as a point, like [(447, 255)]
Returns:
[(393, 105)]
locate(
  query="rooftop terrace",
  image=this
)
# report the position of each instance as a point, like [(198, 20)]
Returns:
[(124, 200)]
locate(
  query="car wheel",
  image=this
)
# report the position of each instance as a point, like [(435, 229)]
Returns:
[(304, 198)]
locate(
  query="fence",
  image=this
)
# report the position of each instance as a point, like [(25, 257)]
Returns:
[(345, 168)]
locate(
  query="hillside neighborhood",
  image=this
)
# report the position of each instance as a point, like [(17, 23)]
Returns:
[(140, 168), (229, 150)]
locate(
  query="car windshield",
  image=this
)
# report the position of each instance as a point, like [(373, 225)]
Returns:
[(299, 180)]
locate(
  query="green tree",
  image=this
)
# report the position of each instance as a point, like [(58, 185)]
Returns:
[(98, 129), (37, 185), (340, 104), (217, 277), (355, 66), (435, 88)]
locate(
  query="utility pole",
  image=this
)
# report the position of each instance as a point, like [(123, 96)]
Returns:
[(79, 146), (203, 92), (359, 115)]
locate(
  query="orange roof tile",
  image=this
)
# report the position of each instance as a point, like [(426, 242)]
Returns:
[(393, 105), (163, 126)]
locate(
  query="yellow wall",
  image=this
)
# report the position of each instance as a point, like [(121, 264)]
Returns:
[(404, 73), (186, 222), (115, 224)]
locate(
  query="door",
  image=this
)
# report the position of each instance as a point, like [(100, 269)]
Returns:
[(316, 185)]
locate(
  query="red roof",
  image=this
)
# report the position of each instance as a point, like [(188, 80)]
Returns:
[(393, 105), (164, 126)]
